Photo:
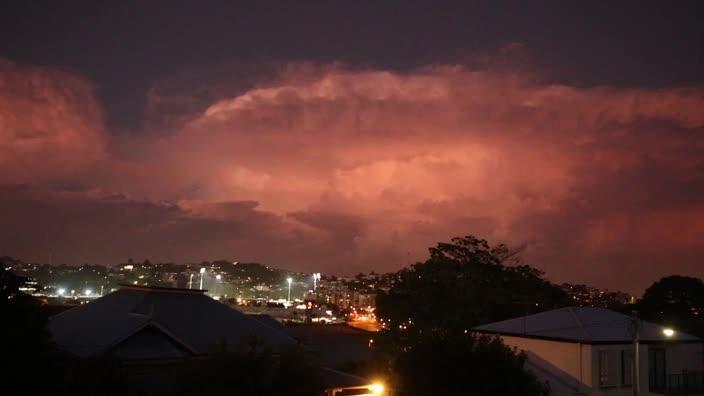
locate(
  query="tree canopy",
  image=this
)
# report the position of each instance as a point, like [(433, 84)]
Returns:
[(25, 337), (463, 284), (677, 301), (428, 314), (463, 365)]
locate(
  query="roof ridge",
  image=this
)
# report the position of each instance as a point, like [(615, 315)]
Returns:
[(161, 289), (585, 332)]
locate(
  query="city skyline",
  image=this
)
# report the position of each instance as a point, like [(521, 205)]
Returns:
[(322, 138)]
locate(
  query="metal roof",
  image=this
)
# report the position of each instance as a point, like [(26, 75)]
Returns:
[(188, 317), (582, 324)]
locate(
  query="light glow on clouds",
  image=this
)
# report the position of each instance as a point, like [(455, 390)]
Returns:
[(346, 170)]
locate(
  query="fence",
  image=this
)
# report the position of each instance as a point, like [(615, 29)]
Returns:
[(685, 384)]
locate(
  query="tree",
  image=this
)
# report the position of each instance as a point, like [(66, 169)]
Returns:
[(463, 365), (677, 301), (427, 344), (25, 338), (463, 284), (259, 373)]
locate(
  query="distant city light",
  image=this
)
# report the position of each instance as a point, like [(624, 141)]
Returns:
[(218, 276), (61, 291), (202, 270), (668, 332), (88, 292)]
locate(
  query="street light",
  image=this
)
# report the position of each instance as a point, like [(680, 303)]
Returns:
[(218, 277), (88, 292), (668, 332), (289, 280), (190, 282), (202, 271), (377, 389), (61, 291)]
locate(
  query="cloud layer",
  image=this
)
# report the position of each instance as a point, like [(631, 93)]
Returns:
[(342, 170)]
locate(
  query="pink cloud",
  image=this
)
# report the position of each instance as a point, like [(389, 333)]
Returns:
[(361, 169), (50, 124)]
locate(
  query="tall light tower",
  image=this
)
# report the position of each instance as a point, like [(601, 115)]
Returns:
[(316, 278), (218, 277), (289, 280), (190, 282), (202, 271)]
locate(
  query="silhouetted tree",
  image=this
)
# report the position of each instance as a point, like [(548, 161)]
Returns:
[(427, 345), (26, 342), (252, 373), (677, 301), (465, 283), (463, 365)]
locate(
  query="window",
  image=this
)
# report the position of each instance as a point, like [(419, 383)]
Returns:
[(656, 369), (609, 368), (627, 368)]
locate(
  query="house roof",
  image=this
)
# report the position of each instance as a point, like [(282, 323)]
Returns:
[(187, 317), (582, 324)]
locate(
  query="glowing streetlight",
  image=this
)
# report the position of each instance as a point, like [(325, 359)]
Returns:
[(88, 292), (668, 332), (61, 291), (202, 271), (190, 282), (377, 389), (218, 276), (289, 280)]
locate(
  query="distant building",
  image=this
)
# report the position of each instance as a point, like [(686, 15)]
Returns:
[(588, 351)]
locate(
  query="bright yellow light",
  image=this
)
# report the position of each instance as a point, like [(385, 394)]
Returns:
[(668, 332), (377, 389)]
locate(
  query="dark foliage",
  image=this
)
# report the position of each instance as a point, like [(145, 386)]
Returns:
[(249, 374), (676, 301), (463, 365), (427, 346), (26, 341), (465, 283)]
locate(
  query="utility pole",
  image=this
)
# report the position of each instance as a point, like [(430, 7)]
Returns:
[(635, 324)]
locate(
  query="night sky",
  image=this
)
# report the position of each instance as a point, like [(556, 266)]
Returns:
[(351, 136)]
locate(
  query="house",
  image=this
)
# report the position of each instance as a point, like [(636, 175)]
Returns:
[(152, 330), (589, 351), (139, 322)]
